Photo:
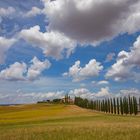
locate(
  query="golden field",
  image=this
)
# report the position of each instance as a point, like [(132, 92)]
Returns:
[(64, 122)]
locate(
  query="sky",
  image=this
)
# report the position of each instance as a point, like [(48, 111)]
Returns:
[(86, 48)]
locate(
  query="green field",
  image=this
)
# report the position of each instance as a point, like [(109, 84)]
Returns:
[(64, 122)]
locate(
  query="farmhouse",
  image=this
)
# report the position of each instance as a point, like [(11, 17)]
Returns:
[(67, 99)]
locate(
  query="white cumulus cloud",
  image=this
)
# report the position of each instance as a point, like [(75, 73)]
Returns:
[(4, 12), (127, 64), (5, 44), (104, 82), (37, 67), (33, 12), (78, 73), (53, 44), (14, 72), (85, 93), (21, 71)]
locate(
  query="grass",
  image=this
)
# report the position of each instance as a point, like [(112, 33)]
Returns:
[(64, 122)]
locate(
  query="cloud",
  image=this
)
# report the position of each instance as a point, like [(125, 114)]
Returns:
[(102, 82), (110, 57), (53, 44), (75, 22), (5, 12), (33, 12), (5, 44), (104, 93), (37, 67), (14, 72), (78, 73), (93, 21), (32, 97), (21, 97), (21, 71), (131, 92), (85, 93), (81, 92), (127, 64)]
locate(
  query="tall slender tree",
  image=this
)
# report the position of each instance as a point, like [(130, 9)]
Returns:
[(130, 105), (108, 105), (111, 102), (99, 105), (114, 103), (139, 105), (118, 106), (127, 109), (135, 106), (121, 105), (103, 106), (125, 105)]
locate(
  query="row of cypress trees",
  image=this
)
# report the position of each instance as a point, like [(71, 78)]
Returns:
[(122, 105)]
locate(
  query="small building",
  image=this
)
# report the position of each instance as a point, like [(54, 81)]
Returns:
[(67, 99)]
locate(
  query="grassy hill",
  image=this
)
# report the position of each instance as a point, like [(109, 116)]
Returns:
[(64, 122)]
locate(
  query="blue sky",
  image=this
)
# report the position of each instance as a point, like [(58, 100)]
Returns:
[(84, 48)]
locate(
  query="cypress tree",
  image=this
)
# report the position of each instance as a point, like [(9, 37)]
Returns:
[(111, 106), (108, 105), (135, 106), (139, 105), (118, 106), (121, 105), (85, 103), (124, 105), (94, 105), (127, 109), (91, 105), (114, 105), (99, 105), (103, 106), (130, 105)]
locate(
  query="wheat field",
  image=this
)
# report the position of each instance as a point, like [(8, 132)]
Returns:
[(64, 122)]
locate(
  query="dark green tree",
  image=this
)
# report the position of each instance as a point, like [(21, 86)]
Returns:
[(135, 106), (91, 104), (130, 105), (114, 103), (121, 106), (103, 106), (125, 105), (99, 105), (139, 105), (108, 105), (118, 106), (111, 102)]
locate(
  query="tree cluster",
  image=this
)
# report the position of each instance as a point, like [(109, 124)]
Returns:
[(122, 105)]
